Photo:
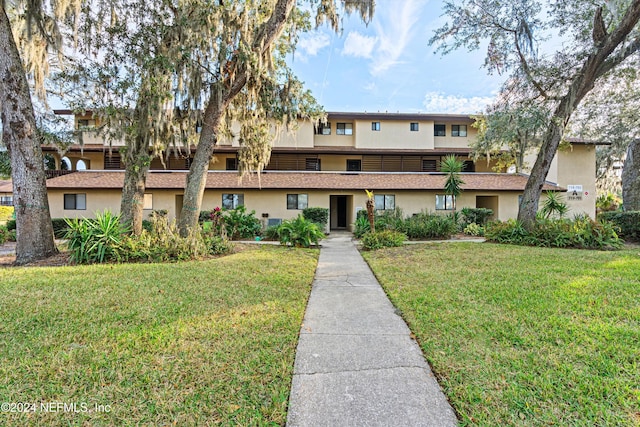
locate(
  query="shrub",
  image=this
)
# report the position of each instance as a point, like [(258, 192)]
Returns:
[(318, 216), (241, 224), (628, 223), (6, 213), (428, 226), (164, 243), (383, 239), (60, 227), (478, 216), (4, 234), (474, 229), (581, 232), (299, 232), (362, 226), (272, 233), (146, 225), (96, 240), (11, 224), (554, 205)]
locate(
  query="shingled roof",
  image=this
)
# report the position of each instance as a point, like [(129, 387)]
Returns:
[(6, 186), (93, 179)]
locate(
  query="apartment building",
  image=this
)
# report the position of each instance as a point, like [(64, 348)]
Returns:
[(395, 155)]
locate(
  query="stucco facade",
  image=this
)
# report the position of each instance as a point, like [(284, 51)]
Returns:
[(331, 164)]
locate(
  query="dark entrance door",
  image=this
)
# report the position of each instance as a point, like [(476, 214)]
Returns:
[(342, 211)]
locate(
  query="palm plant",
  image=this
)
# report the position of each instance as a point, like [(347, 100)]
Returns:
[(452, 167)]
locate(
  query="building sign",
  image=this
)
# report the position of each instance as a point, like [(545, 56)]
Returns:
[(574, 192)]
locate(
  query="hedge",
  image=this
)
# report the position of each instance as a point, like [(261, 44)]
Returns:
[(628, 222)]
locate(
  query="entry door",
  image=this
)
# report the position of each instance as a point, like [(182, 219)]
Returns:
[(342, 211)]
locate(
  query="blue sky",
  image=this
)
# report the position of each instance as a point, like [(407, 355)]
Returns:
[(389, 65)]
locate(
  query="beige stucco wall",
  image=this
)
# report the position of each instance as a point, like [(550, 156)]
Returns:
[(394, 134), (574, 165), (274, 202), (300, 138), (577, 166)]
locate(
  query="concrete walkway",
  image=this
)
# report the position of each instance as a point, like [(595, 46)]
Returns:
[(356, 364)]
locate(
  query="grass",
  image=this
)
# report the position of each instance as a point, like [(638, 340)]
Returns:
[(524, 336), (194, 343)]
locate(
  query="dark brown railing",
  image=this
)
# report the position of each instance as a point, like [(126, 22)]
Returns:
[(56, 173)]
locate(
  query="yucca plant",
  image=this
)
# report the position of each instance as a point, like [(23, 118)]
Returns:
[(452, 167), (96, 240)]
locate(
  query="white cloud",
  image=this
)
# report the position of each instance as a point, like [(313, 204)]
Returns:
[(395, 34), (310, 46), (358, 45), (437, 102)]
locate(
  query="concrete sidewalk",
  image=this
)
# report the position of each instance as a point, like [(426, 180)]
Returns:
[(356, 364)]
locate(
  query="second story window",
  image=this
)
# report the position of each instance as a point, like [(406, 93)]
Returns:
[(458, 130), (439, 130), (86, 123), (323, 129), (312, 164), (344, 129), (413, 127), (375, 126), (232, 164), (354, 165)]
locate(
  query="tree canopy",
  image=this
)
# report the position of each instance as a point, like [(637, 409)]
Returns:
[(559, 51)]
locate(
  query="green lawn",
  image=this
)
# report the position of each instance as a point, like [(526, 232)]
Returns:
[(524, 336), (194, 343)]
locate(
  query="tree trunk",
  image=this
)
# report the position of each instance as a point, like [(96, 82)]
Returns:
[(197, 176), (34, 232), (135, 177), (631, 178), (539, 172)]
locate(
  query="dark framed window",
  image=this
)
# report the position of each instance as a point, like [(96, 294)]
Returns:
[(354, 165), (6, 200), (414, 127), (429, 165), (232, 200), (444, 202), (440, 130), (385, 202), (375, 126), (469, 166), (323, 129), (344, 129), (232, 164), (312, 164), (75, 202), (297, 201), (458, 130)]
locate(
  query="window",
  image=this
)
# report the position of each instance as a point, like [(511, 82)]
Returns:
[(148, 201), (458, 130), (375, 126), (444, 202), (429, 165), (85, 123), (232, 164), (6, 200), (469, 166), (414, 127), (354, 165), (439, 130), (297, 201), (312, 164), (323, 129), (75, 202), (344, 129), (112, 161), (232, 201), (385, 201)]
